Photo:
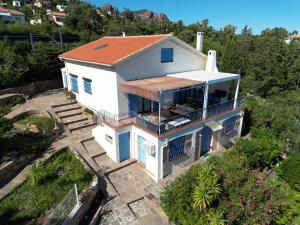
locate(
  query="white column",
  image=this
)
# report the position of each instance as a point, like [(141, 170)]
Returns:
[(204, 114), (159, 109), (236, 94)]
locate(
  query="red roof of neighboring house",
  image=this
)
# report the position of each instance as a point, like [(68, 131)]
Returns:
[(58, 14), (110, 50), (11, 11)]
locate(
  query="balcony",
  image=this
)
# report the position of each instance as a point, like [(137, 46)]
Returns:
[(163, 104), (171, 119)]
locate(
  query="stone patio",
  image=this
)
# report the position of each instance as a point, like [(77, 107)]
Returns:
[(130, 182)]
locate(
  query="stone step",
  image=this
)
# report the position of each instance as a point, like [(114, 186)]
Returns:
[(68, 109), (153, 202), (74, 112), (63, 104), (74, 119), (79, 127), (79, 124)]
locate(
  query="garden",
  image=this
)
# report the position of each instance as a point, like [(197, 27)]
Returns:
[(13, 101), (46, 185), (257, 181)]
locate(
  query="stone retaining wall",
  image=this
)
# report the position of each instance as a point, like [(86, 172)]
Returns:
[(34, 88)]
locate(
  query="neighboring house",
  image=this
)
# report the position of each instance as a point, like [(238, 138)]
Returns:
[(292, 37), (16, 3), (34, 21), (57, 17), (12, 16), (40, 4), (158, 100), (61, 8)]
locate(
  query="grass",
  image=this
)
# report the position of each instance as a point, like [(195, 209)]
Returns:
[(43, 123), (13, 101), (55, 177)]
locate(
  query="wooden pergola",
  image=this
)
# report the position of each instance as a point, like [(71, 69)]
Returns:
[(151, 88)]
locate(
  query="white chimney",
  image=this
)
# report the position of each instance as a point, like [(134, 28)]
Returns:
[(211, 64), (124, 34), (199, 44)]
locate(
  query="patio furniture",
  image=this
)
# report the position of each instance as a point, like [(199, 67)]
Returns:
[(179, 122)]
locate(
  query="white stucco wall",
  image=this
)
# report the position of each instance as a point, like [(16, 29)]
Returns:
[(104, 86), (148, 64), (111, 149), (152, 162)]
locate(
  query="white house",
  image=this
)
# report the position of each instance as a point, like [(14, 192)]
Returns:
[(61, 8), (16, 3), (158, 100), (12, 16), (57, 17)]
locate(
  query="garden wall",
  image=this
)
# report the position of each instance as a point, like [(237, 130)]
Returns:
[(34, 88)]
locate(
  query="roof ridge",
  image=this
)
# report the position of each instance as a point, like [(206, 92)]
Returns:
[(137, 36)]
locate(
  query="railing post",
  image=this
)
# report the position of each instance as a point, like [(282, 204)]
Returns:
[(236, 94), (204, 115), (159, 109)]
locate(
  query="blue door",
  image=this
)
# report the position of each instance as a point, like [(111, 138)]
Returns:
[(205, 140), (176, 148), (124, 146), (142, 153)]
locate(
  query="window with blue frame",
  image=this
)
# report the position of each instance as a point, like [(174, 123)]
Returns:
[(166, 55), (74, 83), (87, 84)]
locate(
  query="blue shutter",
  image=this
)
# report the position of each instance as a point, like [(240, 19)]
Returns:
[(166, 55), (176, 148), (87, 86), (205, 140), (74, 83), (229, 125), (124, 146)]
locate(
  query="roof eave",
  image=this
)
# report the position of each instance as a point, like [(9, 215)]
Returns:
[(83, 61)]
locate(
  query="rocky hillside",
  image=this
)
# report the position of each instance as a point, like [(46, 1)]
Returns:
[(148, 15), (144, 14)]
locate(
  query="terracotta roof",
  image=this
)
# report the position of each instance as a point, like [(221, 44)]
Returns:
[(110, 50), (11, 11), (60, 14), (150, 87)]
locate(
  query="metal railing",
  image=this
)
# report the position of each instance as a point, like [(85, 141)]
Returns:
[(171, 123)]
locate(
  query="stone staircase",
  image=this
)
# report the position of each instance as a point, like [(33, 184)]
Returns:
[(73, 116)]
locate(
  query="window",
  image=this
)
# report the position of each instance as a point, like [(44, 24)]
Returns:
[(74, 83), (108, 138), (166, 55), (229, 125), (87, 85)]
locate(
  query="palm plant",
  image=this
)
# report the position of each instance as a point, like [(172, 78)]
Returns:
[(208, 188), (35, 174)]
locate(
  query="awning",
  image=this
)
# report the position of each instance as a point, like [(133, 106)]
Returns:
[(149, 88), (215, 126)]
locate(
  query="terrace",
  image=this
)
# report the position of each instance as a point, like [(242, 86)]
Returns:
[(162, 104)]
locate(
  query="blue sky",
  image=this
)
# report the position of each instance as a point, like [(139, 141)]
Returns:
[(258, 14)]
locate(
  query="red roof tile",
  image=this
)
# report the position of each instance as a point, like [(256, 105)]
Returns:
[(110, 50), (11, 11)]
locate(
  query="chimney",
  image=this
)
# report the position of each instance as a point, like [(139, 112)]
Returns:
[(124, 34), (199, 44), (211, 64)]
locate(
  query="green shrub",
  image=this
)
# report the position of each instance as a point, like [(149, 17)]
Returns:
[(262, 149), (13, 101), (289, 170), (53, 179), (88, 111)]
